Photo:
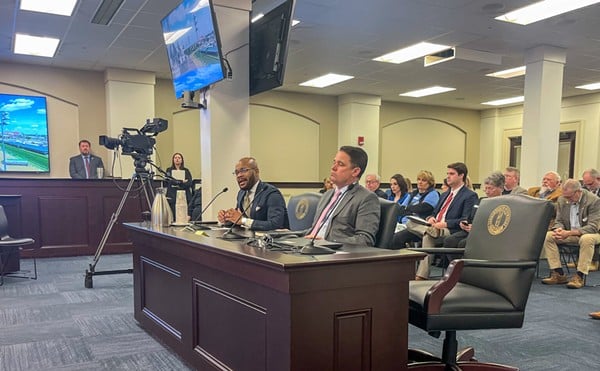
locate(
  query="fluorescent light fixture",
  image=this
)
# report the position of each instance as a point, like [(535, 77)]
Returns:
[(326, 80), (411, 52), (594, 86), (542, 10), (171, 37), (507, 74), (427, 91), (34, 45), (258, 16), (60, 7), (295, 22), (501, 102)]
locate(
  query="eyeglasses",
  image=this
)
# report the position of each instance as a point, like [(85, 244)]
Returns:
[(243, 170)]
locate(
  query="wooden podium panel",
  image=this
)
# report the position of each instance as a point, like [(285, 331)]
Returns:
[(226, 305)]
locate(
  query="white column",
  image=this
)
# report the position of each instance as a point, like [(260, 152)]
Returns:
[(358, 116), (541, 112), (225, 123), (129, 102)]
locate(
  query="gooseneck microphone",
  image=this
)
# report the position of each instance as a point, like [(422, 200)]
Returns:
[(311, 248), (194, 227), (229, 234)]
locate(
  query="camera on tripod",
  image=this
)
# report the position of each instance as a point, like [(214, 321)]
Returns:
[(136, 141)]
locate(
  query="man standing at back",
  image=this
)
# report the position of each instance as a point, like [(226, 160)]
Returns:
[(349, 213), (260, 206), (454, 206), (85, 165)]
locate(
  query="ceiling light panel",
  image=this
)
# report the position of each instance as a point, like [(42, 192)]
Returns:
[(594, 86), (59, 7), (511, 72), (502, 102), (427, 91), (411, 52), (35, 45), (326, 80), (543, 10)]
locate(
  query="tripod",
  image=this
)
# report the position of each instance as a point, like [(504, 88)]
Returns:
[(141, 175)]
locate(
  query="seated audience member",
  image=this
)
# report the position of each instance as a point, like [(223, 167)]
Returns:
[(493, 186), (409, 185), (349, 213), (550, 189), (591, 181), (260, 206), (419, 203), (327, 185), (85, 164), (444, 187), (577, 221), (595, 315), (454, 206), (373, 182), (398, 190), (511, 182)]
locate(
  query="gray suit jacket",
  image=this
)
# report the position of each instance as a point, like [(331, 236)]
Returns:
[(518, 190), (589, 213), (77, 167), (356, 218)]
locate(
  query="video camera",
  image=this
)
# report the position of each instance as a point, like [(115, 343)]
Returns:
[(141, 142)]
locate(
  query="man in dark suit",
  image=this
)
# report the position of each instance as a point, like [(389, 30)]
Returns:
[(372, 182), (349, 213), (85, 165), (260, 206), (454, 206)]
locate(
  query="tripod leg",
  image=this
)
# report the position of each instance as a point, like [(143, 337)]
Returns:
[(88, 283)]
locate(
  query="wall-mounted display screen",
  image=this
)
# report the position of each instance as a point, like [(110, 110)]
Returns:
[(23, 134), (193, 46)]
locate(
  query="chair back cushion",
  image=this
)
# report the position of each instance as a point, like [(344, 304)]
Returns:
[(3, 224), (507, 228), (301, 210), (387, 223)]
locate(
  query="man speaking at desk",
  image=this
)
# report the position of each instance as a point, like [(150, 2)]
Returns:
[(349, 213), (260, 206)]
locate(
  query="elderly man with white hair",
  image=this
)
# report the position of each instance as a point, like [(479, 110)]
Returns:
[(550, 189)]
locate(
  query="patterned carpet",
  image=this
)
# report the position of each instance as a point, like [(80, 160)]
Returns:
[(55, 323)]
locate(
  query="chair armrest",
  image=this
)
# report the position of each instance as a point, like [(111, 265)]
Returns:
[(499, 263), (435, 295), (12, 242)]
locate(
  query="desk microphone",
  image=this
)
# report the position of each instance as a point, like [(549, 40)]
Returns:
[(199, 217), (229, 234), (311, 248)]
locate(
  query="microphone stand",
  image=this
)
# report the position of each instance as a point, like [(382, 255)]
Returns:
[(229, 234), (194, 227), (311, 248)]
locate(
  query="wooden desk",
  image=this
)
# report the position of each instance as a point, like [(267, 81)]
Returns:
[(226, 305)]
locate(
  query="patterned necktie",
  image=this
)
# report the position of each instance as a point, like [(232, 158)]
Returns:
[(325, 211), (87, 167), (246, 204), (442, 213)]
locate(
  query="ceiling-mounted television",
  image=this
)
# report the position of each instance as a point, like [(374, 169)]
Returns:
[(193, 46), (23, 134), (268, 48)]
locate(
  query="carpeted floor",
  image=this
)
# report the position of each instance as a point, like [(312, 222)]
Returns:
[(55, 323)]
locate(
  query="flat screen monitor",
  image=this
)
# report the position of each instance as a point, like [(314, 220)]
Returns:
[(23, 134), (193, 46), (268, 48)]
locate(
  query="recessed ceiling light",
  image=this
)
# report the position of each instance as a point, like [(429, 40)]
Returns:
[(34, 45), (542, 10), (60, 7), (427, 91), (511, 72), (501, 102), (411, 52), (326, 80), (594, 86)]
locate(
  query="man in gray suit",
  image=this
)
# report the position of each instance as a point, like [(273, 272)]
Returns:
[(577, 221), (85, 165), (349, 213)]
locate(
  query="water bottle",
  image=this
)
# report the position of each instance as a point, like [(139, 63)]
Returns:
[(162, 216)]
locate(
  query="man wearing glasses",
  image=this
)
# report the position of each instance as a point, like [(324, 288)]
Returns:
[(260, 206)]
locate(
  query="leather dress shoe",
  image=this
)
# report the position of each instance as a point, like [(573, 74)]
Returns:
[(595, 315)]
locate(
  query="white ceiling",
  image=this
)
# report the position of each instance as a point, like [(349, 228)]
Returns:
[(339, 36)]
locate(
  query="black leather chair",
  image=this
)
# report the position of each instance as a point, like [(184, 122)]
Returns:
[(301, 210), (387, 223), (9, 245), (488, 288)]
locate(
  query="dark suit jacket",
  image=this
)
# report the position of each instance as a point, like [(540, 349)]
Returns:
[(267, 209), (356, 218), (459, 209), (77, 167)]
